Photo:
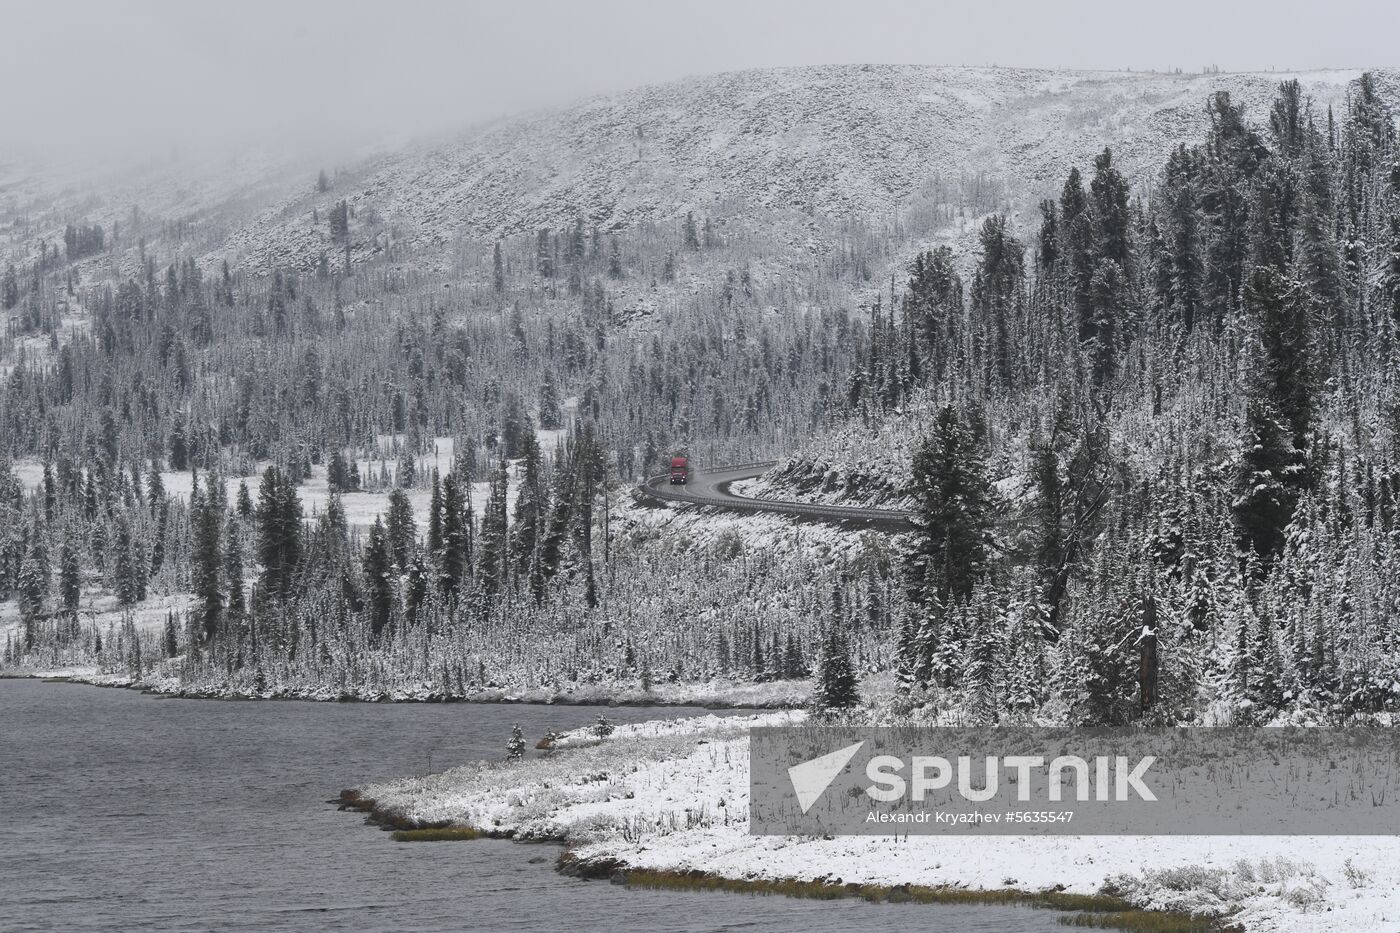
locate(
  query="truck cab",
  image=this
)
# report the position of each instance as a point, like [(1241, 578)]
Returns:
[(680, 470)]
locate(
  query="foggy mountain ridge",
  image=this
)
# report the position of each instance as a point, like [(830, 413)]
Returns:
[(838, 142), (820, 144)]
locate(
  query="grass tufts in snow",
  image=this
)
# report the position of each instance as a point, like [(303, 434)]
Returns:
[(1145, 921), (439, 834), (1099, 911)]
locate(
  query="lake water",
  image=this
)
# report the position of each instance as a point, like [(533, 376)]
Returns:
[(120, 811)]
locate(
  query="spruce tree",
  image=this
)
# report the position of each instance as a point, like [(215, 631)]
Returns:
[(435, 518), (515, 748), (379, 576), (206, 563), (245, 502), (1286, 367), (129, 570), (1108, 663), (416, 587), (551, 417), (531, 507), (69, 576), (997, 296), (1181, 216), (690, 236), (952, 537), (1266, 488), (455, 535), (237, 605), (493, 562), (279, 532), (33, 589), (400, 527), (836, 687)]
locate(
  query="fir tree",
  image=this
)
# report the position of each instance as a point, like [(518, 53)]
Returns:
[(996, 295), (1106, 647), (170, 639), (416, 587), (551, 417), (456, 535), (531, 507), (614, 259), (1265, 487), (379, 575), (493, 569), (206, 563), (953, 525), (544, 254), (1285, 369), (245, 502), (130, 569), (435, 518), (515, 748), (69, 576), (690, 236), (237, 605), (400, 527), (836, 686), (279, 531), (33, 586)]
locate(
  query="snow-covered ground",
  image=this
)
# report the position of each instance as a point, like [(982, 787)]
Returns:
[(361, 508), (100, 607), (673, 795)]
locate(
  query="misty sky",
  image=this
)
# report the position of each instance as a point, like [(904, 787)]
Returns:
[(136, 77)]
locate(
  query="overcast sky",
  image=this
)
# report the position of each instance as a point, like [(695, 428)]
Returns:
[(131, 77)]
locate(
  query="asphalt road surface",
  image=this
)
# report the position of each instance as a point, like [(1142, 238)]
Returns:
[(712, 488)]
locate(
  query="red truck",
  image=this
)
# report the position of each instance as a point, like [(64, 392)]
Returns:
[(680, 470)]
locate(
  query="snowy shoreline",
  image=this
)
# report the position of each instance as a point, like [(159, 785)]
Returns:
[(702, 696), (669, 799)]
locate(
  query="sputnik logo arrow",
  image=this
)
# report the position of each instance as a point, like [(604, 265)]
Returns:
[(811, 778)]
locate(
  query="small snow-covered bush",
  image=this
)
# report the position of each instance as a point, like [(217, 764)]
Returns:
[(1356, 877)]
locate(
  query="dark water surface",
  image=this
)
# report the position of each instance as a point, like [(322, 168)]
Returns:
[(126, 812)]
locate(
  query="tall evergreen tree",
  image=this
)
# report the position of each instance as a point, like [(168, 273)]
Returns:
[(70, 576), (237, 605), (207, 562), (279, 531), (836, 686), (456, 535), (400, 527), (379, 576), (1266, 486), (951, 543), (551, 417), (493, 561), (531, 507)]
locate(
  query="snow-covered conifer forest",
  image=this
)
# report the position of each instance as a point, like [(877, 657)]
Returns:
[(1126, 343)]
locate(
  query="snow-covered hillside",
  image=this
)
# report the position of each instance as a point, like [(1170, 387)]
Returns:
[(837, 142), (903, 146)]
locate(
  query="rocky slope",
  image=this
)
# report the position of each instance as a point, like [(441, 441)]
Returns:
[(874, 142)]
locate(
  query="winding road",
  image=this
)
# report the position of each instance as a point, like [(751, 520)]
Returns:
[(711, 487)]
